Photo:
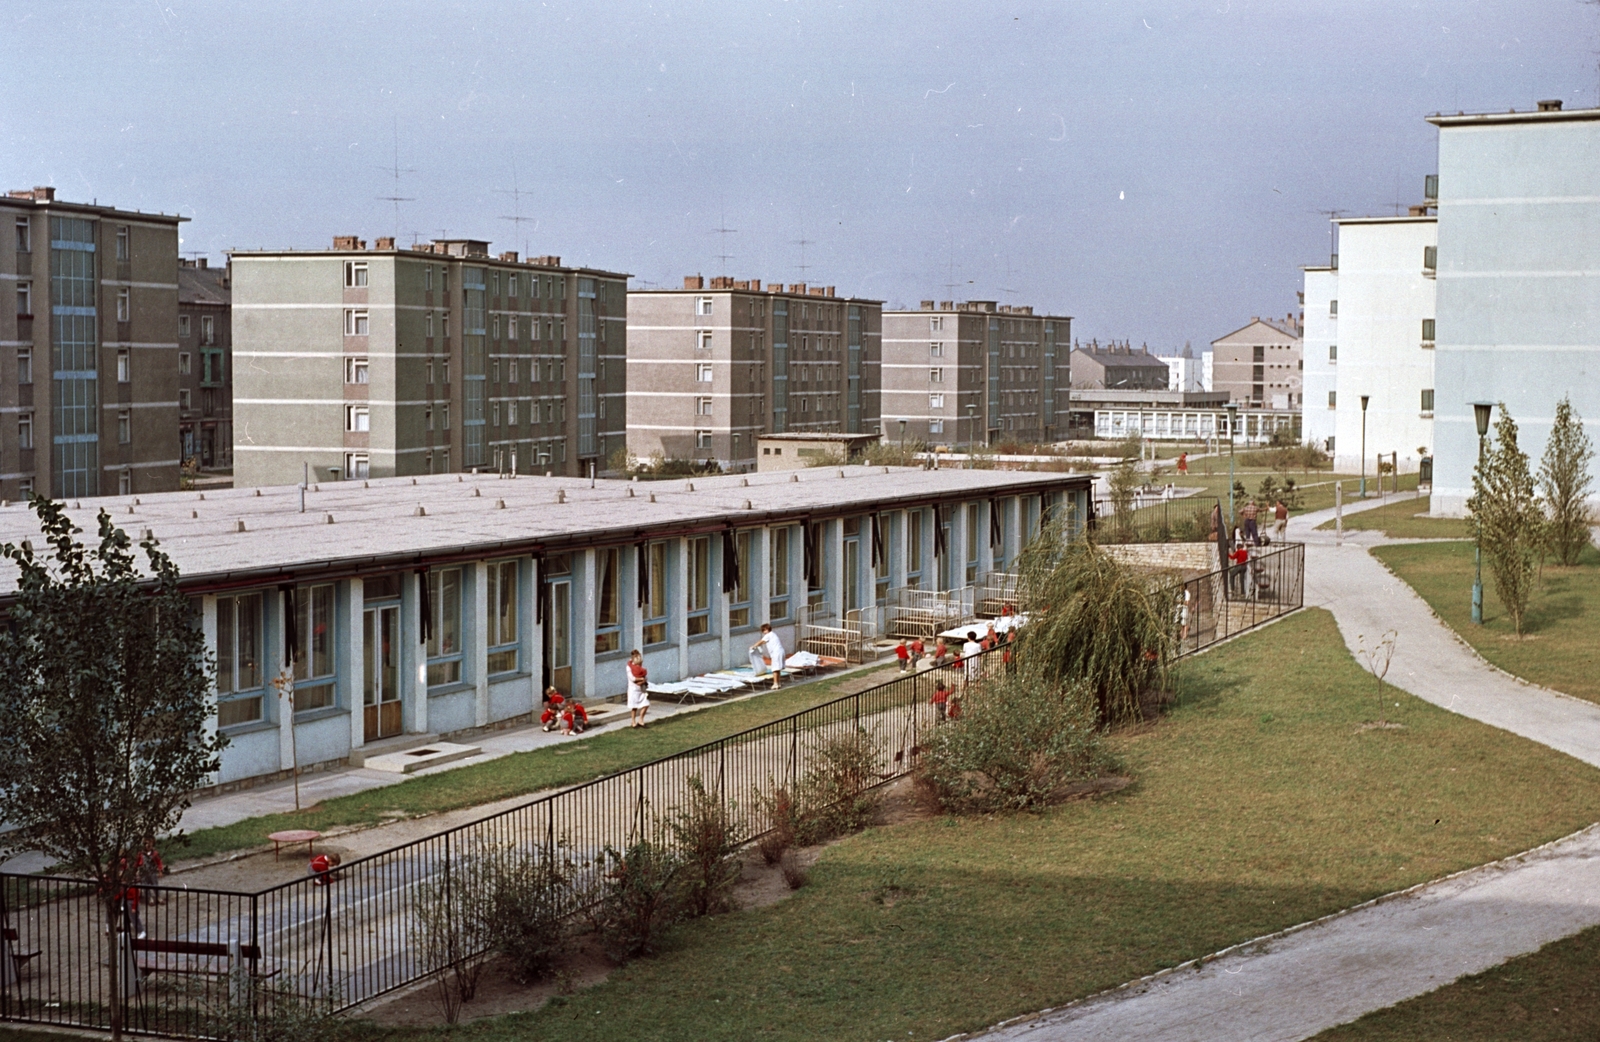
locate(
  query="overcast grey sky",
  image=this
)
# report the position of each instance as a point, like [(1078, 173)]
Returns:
[(1154, 169)]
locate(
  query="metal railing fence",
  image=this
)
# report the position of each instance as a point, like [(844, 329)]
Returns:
[(1149, 519), (192, 957)]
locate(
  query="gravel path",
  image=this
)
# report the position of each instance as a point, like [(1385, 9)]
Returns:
[(1295, 984)]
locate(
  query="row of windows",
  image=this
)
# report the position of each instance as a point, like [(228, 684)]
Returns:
[(208, 328), (24, 239), (553, 287)]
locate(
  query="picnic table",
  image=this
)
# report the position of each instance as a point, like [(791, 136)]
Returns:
[(293, 836)]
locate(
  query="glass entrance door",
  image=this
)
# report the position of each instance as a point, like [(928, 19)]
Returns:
[(558, 637), (380, 677)]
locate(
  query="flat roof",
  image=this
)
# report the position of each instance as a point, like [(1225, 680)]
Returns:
[(816, 436), (421, 254), (1408, 219), (1470, 119), (394, 523)]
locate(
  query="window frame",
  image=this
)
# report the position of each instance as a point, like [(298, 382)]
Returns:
[(502, 628), (740, 601), (607, 600), (778, 593), (357, 369), (24, 365), (124, 304), (357, 466), (124, 366), (702, 306), (240, 684), (656, 611), (313, 645), (358, 419), (703, 373), (444, 644), (355, 275), (697, 585), (357, 322)]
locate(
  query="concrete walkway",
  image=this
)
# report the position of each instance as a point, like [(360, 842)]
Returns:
[(1300, 982)]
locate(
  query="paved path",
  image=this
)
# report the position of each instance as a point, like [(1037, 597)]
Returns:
[(1313, 977)]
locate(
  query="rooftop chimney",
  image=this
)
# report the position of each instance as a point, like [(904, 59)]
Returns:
[(385, 242), (547, 261), (347, 242), (509, 255), (46, 194), (927, 305), (693, 282), (797, 287), (721, 282), (202, 262), (1551, 105)]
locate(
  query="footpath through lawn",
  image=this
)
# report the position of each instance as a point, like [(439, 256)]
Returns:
[(1260, 802), (1552, 995), (535, 771), (1559, 647)]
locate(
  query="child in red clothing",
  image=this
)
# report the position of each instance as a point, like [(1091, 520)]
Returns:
[(322, 868), (903, 653), (941, 699), (575, 719), (552, 709)]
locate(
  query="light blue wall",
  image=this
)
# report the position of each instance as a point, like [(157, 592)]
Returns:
[(1518, 285)]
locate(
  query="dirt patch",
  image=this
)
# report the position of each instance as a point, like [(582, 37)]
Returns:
[(498, 992)]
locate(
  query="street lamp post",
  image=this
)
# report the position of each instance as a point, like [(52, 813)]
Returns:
[(1233, 413), (1364, 399), (972, 431), (902, 443), (1480, 413)]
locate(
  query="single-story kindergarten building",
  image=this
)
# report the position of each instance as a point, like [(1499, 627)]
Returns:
[(442, 603)]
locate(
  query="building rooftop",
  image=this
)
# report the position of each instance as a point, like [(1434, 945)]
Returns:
[(45, 195), (1547, 112), (458, 249), (199, 284), (250, 537), (1121, 356), (729, 284), (970, 306)]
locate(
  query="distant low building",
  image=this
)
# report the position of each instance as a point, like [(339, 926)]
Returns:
[(1117, 367), (793, 451), (1260, 364), (205, 366), (1184, 373)]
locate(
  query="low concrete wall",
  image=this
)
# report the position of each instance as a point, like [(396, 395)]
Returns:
[(1178, 557)]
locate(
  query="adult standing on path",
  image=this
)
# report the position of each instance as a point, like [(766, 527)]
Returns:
[(1280, 521), (972, 653), (1248, 512), (638, 680), (768, 651)]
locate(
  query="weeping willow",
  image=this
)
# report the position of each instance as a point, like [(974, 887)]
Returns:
[(1096, 626)]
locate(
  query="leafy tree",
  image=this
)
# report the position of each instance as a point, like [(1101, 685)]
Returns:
[(1564, 481), (1121, 485), (104, 702), (1505, 518), (1097, 627)]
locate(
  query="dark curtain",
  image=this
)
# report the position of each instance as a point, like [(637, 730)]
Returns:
[(427, 605), (997, 534), (810, 533), (642, 555), (730, 562), (541, 591), (879, 564), (291, 629), (938, 531)]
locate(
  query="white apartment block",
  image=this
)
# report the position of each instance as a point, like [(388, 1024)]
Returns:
[(1385, 341), (1320, 302), (1518, 267)]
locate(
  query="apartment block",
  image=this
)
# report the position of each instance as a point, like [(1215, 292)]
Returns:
[(1319, 300), (713, 366), (975, 371), (1117, 367), (393, 361), (1260, 364), (1518, 279), (205, 366), (1385, 344), (88, 361)]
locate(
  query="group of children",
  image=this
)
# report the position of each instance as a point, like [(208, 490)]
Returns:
[(913, 653), (567, 714)]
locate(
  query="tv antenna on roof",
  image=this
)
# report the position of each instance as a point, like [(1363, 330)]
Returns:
[(516, 195), (803, 242), (397, 198), (1333, 226), (724, 231)]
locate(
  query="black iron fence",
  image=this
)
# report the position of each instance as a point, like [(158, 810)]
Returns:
[(194, 961), (1153, 519)]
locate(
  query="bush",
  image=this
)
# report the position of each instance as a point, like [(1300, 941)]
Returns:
[(1017, 743), (448, 933), (705, 833), (635, 898), (837, 795), (277, 1013), (780, 813), (528, 897)]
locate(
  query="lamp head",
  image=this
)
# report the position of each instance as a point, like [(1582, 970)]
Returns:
[(902, 426), (1364, 399), (1233, 408), (1480, 412)]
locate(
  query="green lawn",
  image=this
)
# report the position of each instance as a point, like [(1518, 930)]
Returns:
[(534, 771), (1559, 649), (1258, 803), (1399, 520), (1316, 487), (1552, 995)]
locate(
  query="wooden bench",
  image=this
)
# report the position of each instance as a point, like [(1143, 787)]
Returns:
[(19, 958), (195, 958)]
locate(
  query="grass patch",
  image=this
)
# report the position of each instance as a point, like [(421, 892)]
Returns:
[(1259, 803), (1316, 488), (1399, 520), (536, 770), (1552, 994), (1559, 649)]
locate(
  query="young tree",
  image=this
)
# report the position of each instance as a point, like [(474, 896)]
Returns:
[(104, 701), (1564, 485), (1505, 518)]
